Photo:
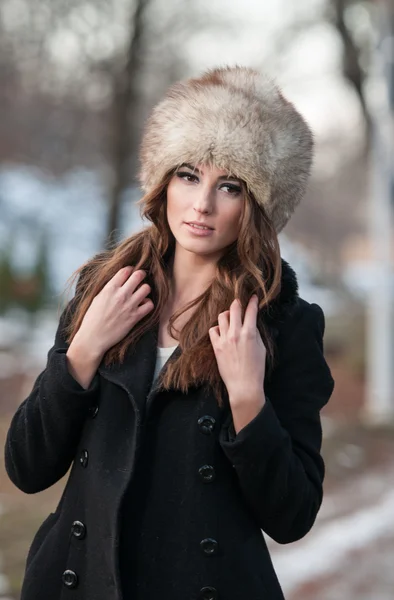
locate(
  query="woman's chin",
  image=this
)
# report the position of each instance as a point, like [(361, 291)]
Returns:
[(199, 249)]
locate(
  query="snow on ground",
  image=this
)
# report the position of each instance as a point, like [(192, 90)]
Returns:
[(352, 520)]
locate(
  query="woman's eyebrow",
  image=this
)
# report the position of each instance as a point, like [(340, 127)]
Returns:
[(189, 166)]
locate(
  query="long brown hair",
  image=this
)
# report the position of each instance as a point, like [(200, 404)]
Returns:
[(251, 264)]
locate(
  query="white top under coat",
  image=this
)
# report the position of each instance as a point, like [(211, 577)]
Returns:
[(163, 354)]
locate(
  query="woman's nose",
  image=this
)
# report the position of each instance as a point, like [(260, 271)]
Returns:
[(204, 199)]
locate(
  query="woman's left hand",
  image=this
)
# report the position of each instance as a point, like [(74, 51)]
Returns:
[(240, 352)]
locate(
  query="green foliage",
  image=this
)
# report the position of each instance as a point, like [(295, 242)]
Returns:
[(6, 279), (30, 292), (36, 289)]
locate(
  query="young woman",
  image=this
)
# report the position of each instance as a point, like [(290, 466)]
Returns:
[(187, 376)]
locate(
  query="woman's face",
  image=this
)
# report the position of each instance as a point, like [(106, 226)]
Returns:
[(206, 194)]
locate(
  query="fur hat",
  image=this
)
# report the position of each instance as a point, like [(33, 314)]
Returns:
[(235, 119)]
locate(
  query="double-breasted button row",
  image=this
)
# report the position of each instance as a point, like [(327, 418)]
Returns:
[(209, 546), (206, 424), (69, 577)]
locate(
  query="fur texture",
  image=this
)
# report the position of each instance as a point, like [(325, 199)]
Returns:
[(236, 119)]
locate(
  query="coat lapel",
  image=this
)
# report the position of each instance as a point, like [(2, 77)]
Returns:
[(135, 374)]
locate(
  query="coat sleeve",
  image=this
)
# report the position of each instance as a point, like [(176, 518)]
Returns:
[(45, 430), (276, 456)]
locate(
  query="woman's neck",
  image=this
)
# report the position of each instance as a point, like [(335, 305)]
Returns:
[(190, 276)]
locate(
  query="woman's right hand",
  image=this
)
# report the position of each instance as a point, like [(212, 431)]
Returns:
[(114, 311)]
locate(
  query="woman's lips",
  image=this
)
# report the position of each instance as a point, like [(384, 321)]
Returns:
[(198, 231)]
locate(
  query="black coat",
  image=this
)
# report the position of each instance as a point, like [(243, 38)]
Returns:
[(162, 500)]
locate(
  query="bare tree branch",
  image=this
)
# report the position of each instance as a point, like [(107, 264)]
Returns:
[(124, 100), (352, 69)]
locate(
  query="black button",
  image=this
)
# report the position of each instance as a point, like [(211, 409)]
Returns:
[(70, 579), (209, 546), (208, 593), (93, 410), (206, 424), (78, 529), (83, 459), (207, 473)]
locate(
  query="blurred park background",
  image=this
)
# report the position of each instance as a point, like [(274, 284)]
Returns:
[(77, 80)]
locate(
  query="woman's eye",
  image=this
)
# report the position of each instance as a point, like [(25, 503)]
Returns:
[(185, 175), (232, 189)]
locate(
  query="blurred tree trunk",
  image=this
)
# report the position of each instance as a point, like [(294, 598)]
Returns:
[(351, 64), (125, 99)]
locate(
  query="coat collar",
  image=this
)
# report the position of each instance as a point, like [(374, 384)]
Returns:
[(135, 374), (286, 301)]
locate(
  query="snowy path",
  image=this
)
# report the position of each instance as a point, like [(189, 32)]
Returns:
[(4, 586), (354, 524)]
